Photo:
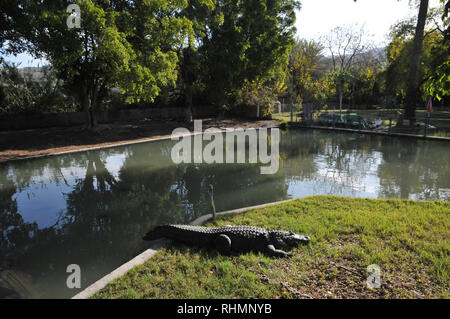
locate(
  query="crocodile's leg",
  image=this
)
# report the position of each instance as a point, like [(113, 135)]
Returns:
[(223, 244), (272, 251)]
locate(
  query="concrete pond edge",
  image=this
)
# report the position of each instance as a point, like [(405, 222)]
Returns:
[(157, 246)]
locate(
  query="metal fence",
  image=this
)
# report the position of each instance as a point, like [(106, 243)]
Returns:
[(436, 123)]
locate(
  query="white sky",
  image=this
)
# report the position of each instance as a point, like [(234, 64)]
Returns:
[(318, 17)]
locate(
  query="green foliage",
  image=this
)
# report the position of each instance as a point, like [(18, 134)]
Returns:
[(341, 80), (435, 54), (16, 93), (125, 44), (307, 72), (439, 83), (248, 42), (105, 49), (251, 97), (14, 24), (20, 92), (446, 5), (366, 87), (140, 46)]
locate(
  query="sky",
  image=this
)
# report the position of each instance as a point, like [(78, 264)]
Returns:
[(318, 17)]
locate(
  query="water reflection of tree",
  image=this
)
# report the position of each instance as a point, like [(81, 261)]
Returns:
[(107, 214), (14, 233), (298, 150), (235, 186), (15, 237), (103, 224), (413, 167), (27, 172), (341, 160), (112, 215)]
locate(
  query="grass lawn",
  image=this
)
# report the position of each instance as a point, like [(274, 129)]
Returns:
[(409, 241)]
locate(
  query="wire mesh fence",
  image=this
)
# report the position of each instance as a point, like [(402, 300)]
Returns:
[(436, 123)]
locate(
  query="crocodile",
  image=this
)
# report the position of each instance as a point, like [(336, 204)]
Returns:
[(232, 239)]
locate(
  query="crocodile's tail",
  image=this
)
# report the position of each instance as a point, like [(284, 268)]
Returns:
[(157, 233), (183, 233)]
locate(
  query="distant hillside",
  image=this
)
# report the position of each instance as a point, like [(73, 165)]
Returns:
[(376, 54)]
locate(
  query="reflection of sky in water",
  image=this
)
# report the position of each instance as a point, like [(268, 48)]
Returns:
[(44, 200), (361, 180), (114, 163), (314, 188), (37, 204)]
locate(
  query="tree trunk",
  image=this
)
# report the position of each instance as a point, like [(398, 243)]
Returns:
[(93, 117), (86, 105), (188, 74), (341, 93), (94, 102), (188, 97), (414, 71)]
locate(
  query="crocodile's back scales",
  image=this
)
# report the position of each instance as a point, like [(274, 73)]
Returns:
[(230, 238), (200, 235)]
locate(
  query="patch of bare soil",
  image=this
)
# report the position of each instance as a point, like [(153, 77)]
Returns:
[(38, 142)]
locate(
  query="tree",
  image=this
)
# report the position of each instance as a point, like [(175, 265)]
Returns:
[(247, 43), (367, 77), (198, 12), (435, 53), (306, 68), (125, 44), (29, 91), (438, 85), (345, 45), (414, 71), (14, 23)]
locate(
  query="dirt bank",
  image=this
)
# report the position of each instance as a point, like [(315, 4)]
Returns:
[(31, 143)]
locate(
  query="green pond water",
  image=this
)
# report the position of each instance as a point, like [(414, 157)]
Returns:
[(92, 208)]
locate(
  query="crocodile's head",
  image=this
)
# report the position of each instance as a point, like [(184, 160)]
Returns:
[(288, 239)]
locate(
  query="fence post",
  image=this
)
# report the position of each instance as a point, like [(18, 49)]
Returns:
[(292, 112), (390, 125), (427, 123), (211, 195)]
